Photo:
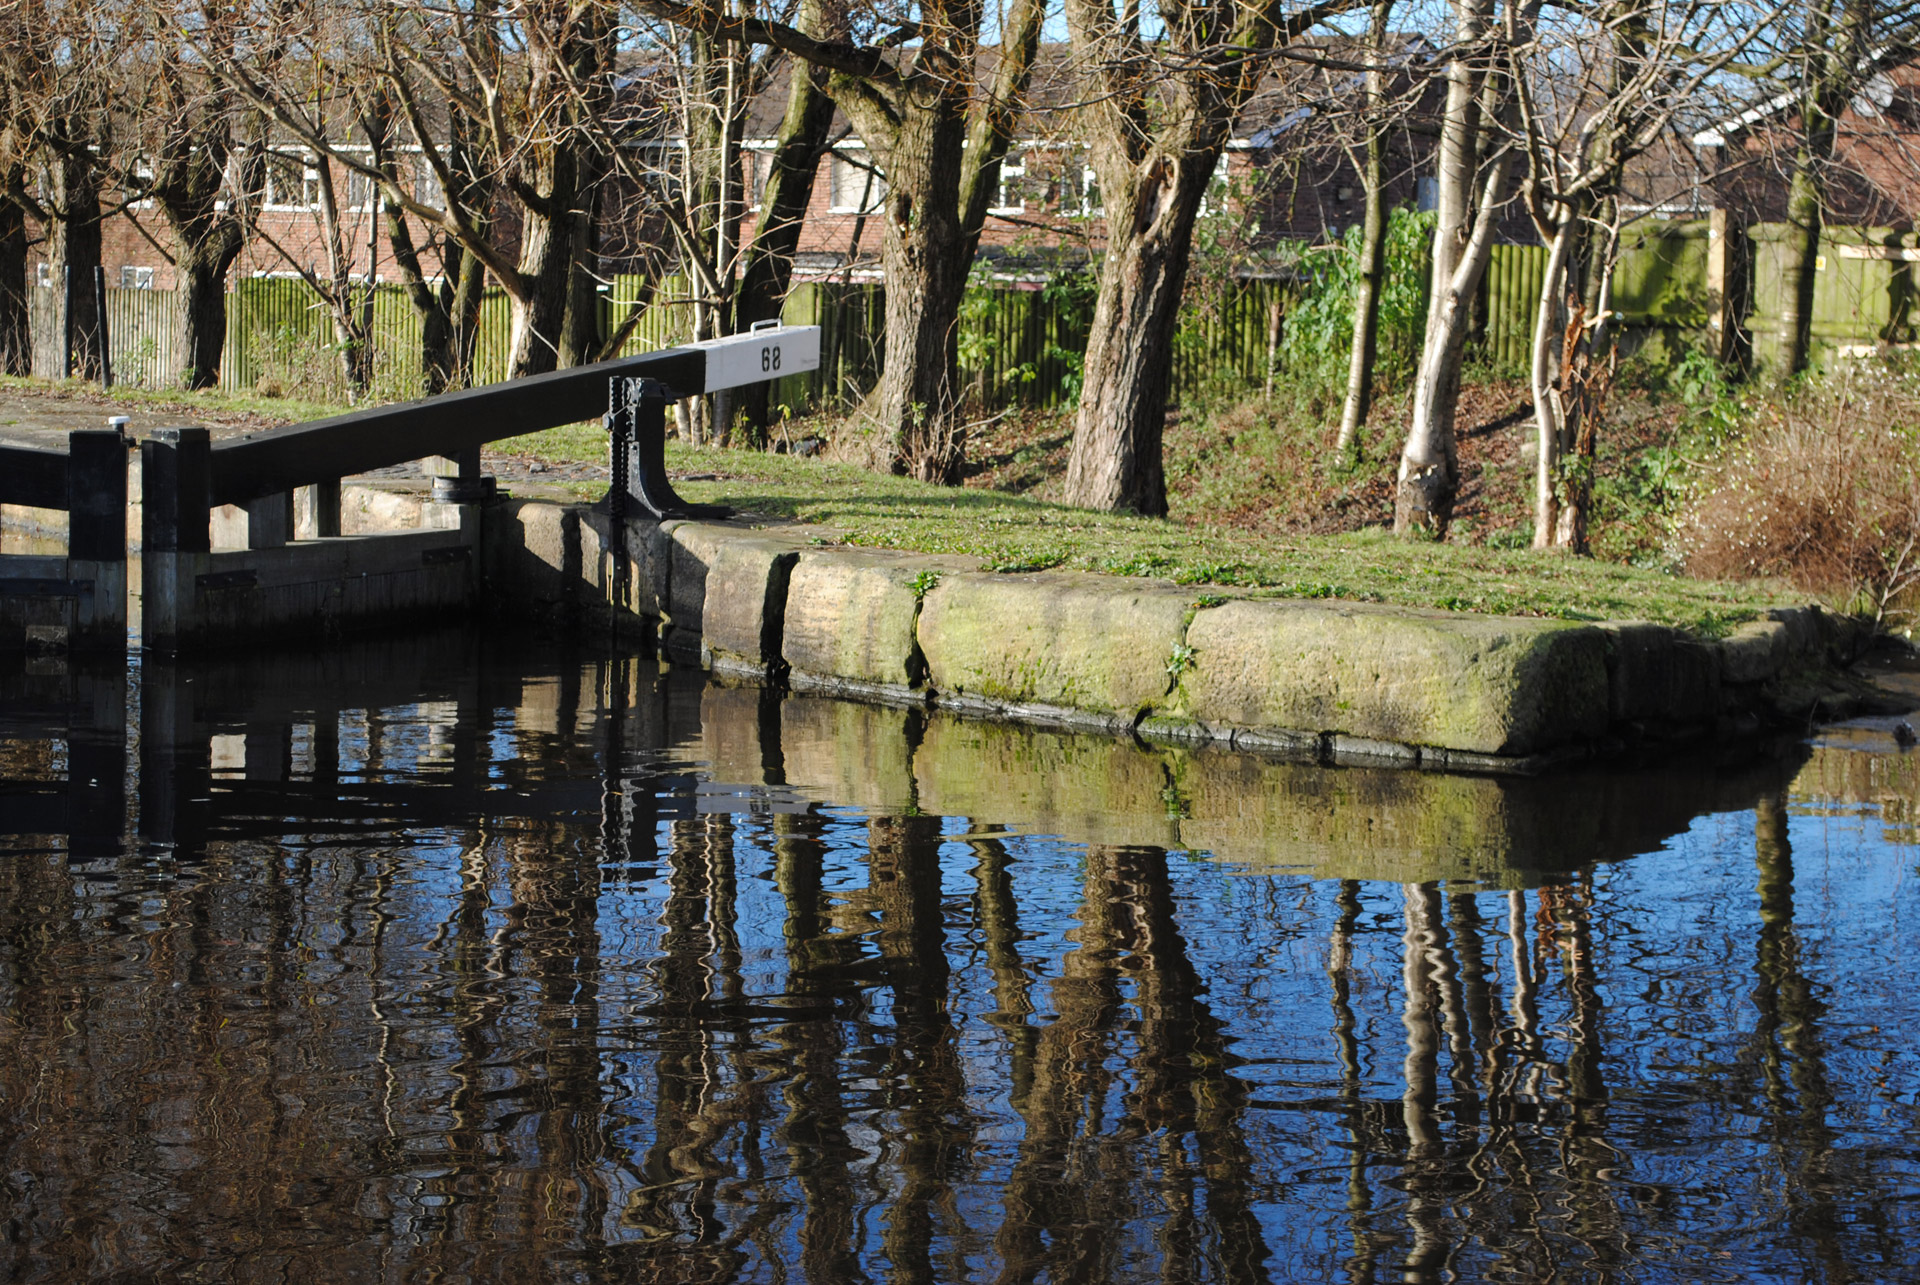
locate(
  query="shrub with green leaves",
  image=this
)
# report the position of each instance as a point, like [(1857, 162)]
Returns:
[(1318, 333)]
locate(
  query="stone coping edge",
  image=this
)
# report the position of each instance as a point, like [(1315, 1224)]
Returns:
[(1327, 681)]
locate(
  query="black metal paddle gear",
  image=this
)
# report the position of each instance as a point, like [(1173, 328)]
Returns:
[(637, 424)]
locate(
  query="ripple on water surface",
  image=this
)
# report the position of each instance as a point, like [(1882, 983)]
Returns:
[(466, 960)]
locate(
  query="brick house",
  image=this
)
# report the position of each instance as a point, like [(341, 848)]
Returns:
[(1286, 158)]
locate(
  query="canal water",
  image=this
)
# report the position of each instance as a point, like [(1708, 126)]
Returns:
[(469, 959)]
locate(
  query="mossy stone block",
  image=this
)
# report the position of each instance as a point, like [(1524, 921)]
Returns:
[(850, 617), (728, 589), (1756, 651), (1487, 684), (1075, 642), (1657, 674)]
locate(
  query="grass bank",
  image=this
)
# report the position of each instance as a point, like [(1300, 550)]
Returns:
[(1252, 518), (1015, 533)]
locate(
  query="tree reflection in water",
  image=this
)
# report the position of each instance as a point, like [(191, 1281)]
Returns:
[(449, 963)]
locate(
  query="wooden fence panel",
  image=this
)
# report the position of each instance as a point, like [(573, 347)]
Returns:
[(143, 337), (1017, 345), (1512, 285)]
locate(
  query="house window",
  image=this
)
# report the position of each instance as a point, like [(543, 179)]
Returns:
[(858, 187), (43, 275), (1011, 196), (1089, 193), (1218, 188), (135, 278), (360, 190), (292, 184), (426, 187), (1426, 192), (758, 162)]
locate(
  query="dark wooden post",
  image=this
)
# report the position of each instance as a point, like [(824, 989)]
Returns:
[(176, 485), (270, 521), (66, 321), (97, 535), (321, 501), (176, 470), (100, 325), (457, 478)]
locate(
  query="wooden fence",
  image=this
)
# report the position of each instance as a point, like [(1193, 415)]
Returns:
[(1018, 345)]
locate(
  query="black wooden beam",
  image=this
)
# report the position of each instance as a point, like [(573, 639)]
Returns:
[(279, 459), (39, 478)]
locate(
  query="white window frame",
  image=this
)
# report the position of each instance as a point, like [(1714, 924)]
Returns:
[(134, 276), (835, 162), (309, 184), (1091, 204), (370, 199), (1010, 169), (759, 156), (1219, 187)]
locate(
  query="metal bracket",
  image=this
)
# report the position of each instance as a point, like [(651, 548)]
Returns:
[(637, 429)]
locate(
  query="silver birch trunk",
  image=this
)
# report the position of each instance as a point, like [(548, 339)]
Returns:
[(1549, 414), (1429, 469)]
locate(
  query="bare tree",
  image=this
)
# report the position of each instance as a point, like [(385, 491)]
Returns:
[(205, 151), (1831, 44), (504, 92), (911, 84), (447, 301), (1372, 166), (16, 344), (1471, 180), (792, 164), (1159, 108), (59, 64), (1596, 91)]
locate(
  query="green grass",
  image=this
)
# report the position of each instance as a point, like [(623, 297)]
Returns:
[(1013, 534)]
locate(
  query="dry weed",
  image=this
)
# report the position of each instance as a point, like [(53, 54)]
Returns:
[(1823, 491)]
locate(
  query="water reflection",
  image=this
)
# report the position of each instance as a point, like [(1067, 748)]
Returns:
[(449, 959)]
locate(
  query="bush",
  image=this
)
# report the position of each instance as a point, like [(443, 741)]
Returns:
[(1822, 491), (1319, 331)]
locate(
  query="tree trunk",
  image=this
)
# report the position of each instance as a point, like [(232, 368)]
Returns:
[(352, 333), (793, 164), (469, 295), (1799, 259), (1834, 58), (916, 407), (580, 335), (1587, 376), (201, 274), (1469, 191), (430, 301), (73, 245), (1373, 252), (546, 272), (16, 345), (1115, 462), (1549, 410)]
